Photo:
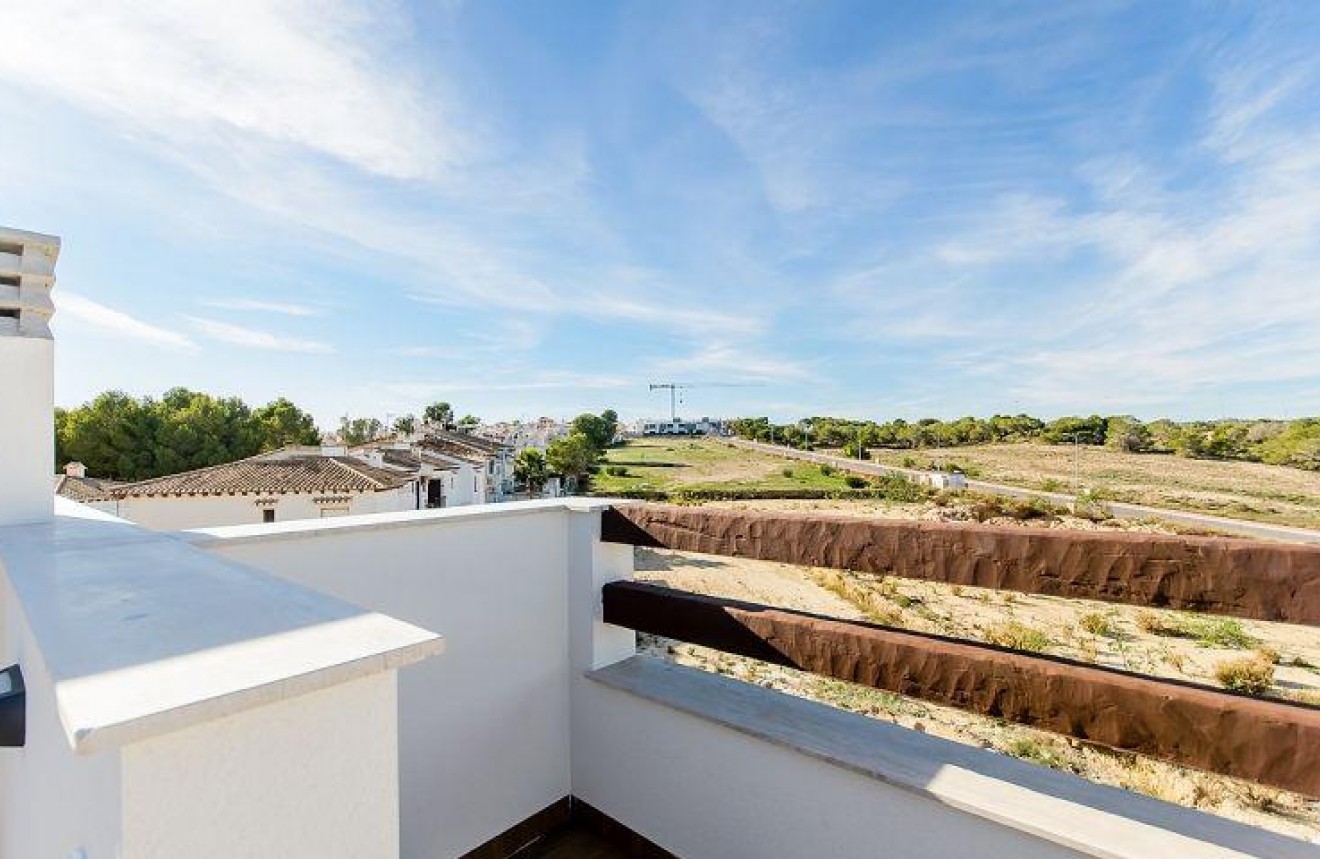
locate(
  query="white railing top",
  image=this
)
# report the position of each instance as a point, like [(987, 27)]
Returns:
[(304, 528), (144, 634)]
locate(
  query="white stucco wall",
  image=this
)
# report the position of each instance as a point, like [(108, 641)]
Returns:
[(313, 777), (171, 513), (52, 802), (484, 731), (27, 437)]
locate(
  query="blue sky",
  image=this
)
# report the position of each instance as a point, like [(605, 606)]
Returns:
[(882, 210)]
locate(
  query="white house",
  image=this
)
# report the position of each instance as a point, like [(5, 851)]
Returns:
[(291, 483), (444, 481), (494, 459)]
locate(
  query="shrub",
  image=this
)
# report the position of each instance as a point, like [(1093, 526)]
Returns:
[(1251, 675), (1051, 484), (827, 469), (1098, 624), (1031, 508), (1017, 636), (896, 487), (1222, 632), (855, 482), (787, 471), (616, 470), (1037, 752), (909, 462)]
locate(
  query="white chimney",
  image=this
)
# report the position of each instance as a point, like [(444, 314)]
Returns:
[(75, 469), (27, 376)]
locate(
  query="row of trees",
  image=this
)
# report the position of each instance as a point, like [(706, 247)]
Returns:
[(361, 430), (574, 457), (126, 438), (1294, 443)]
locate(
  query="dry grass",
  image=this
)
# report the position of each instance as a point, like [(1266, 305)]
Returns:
[(1243, 490), (1253, 675)]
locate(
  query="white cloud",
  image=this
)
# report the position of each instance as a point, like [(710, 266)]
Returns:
[(84, 312), (315, 75), (259, 306), (252, 338), (731, 363)]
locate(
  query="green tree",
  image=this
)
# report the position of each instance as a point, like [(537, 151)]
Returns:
[(573, 456), (114, 436), (1126, 433), (405, 425), (468, 423), (530, 469), (280, 423), (194, 430), (359, 430), (599, 429), (440, 414)]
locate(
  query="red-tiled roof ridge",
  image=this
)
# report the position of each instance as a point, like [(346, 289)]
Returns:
[(283, 471)]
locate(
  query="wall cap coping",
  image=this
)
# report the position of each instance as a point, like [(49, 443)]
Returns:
[(233, 535), (143, 634), (1093, 819)]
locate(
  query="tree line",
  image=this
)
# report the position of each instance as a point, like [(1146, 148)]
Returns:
[(1293, 443), (120, 437)]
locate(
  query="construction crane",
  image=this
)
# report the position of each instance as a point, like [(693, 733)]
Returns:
[(674, 387)]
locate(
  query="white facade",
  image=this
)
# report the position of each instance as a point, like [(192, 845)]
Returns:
[(180, 512), (681, 426), (27, 379)]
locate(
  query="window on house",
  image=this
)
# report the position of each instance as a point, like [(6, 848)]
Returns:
[(268, 515)]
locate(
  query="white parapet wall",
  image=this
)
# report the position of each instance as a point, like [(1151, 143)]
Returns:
[(27, 375), (179, 704), (484, 732)]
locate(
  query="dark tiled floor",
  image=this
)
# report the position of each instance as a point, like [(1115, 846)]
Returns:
[(574, 843)]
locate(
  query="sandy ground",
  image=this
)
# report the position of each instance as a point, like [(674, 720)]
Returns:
[(1117, 636)]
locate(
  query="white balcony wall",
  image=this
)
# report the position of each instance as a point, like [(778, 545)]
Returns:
[(177, 513), (484, 731)]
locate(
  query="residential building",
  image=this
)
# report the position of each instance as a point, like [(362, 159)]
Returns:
[(291, 483), (435, 684), (494, 459), (682, 426), (75, 485), (444, 481)]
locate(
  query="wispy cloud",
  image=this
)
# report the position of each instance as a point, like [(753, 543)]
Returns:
[(80, 311), (260, 306), (252, 338), (318, 76)]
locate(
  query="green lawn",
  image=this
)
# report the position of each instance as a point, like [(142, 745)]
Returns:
[(699, 463)]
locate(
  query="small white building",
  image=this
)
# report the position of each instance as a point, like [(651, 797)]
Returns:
[(682, 426), (291, 483), (952, 480)]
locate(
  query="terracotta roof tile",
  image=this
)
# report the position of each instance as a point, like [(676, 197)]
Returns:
[(278, 475)]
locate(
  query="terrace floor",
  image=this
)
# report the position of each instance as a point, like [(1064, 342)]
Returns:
[(576, 842)]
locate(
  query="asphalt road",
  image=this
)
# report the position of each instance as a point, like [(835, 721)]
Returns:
[(1121, 510)]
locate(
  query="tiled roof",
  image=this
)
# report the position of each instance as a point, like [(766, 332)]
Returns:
[(83, 489), (463, 446), (273, 475)]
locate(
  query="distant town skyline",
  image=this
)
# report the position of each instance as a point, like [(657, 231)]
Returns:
[(853, 209)]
